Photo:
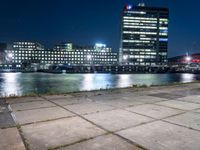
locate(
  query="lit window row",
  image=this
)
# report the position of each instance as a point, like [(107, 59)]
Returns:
[(141, 21), (140, 18), (135, 41), (140, 27), (146, 33)]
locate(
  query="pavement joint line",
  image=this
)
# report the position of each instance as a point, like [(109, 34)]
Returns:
[(107, 131), (24, 140), (156, 118), (33, 109), (77, 142), (128, 106), (139, 114), (170, 107), (180, 125), (98, 112), (134, 126), (23, 102), (145, 103), (18, 128), (131, 142), (173, 115), (76, 103), (43, 121), (196, 112), (189, 102)]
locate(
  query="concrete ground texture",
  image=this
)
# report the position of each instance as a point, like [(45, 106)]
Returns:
[(153, 118)]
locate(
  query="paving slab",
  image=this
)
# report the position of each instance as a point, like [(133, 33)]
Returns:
[(43, 114), (6, 120), (106, 142), (168, 96), (23, 99), (146, 99), (154, 111), (10, 139), (190, 120), (107, 97), (187, 92), (117, 119), (31, 105), (198, 110), (179, 105), (87, 108), (120, 103), (192, 99), (131, 101), (58, 133), (160, 135), (70, 101), (54, 97)]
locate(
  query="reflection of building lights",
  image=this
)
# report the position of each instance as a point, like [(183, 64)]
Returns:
[(89, 57), (125, 57)]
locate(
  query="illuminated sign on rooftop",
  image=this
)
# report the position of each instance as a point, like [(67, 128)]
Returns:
[(129, 7)]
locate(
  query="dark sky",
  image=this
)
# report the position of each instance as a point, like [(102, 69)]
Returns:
[(90, 21)]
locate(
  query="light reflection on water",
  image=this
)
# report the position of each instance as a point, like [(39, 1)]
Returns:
[(26, 83)]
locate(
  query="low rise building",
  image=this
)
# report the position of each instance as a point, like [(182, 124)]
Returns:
[(64, 53)]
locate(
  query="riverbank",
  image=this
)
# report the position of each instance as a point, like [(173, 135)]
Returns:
[(158, 117)]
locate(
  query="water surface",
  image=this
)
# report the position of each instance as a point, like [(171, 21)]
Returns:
[(26, 83)]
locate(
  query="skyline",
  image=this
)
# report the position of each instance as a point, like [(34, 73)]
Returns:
[(44, 22)]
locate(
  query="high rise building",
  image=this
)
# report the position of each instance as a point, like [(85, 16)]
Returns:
[(144, 35)]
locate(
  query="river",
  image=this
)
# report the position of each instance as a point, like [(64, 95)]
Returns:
[(41, 83)]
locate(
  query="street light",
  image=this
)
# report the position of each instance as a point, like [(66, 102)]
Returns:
[(125, 57), (9, 57), (188, 58)]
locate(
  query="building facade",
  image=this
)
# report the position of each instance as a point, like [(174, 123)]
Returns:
[(64, 53), (185, 59), (144, 35), (3, 47)]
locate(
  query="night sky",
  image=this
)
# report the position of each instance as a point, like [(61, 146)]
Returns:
[(89, 21)]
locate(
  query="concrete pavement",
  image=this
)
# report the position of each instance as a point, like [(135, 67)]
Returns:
[(156, 118)]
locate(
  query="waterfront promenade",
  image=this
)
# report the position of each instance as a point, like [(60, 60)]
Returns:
[(156, 118)]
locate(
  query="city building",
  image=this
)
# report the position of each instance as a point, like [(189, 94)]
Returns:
[(185, 59), (65, 53), (3, 47), (144, 35)]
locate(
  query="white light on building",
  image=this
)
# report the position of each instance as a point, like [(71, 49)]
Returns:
[(188, 58), (89, 57)]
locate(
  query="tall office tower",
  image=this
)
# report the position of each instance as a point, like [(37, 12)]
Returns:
[(144, 35)]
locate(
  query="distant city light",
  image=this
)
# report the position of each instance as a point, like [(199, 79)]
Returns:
[(125, 57), (188, 58), (163, 39), (100, 45), (129, 7), (10, 55)]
